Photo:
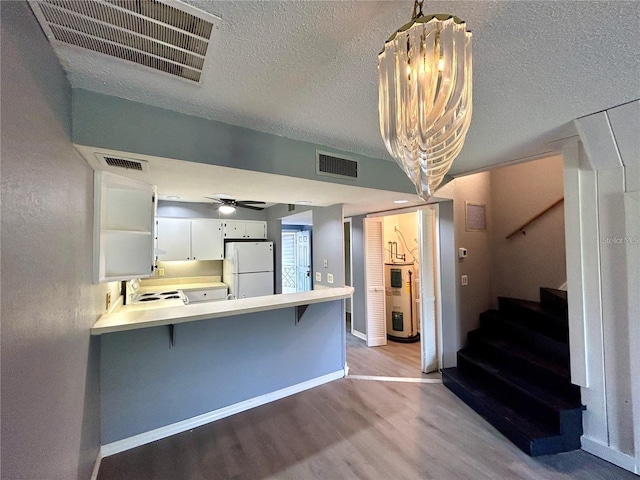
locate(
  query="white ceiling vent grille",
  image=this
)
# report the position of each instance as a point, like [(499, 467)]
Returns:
[(170, 37), (126, 163), (331, 166)]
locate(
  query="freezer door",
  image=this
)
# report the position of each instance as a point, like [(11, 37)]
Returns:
[(248, 257), (253, 284)]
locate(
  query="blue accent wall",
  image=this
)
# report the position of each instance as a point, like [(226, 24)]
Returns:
[(115, 123), (215, 363)]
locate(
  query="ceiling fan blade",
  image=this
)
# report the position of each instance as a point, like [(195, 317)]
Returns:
[(251, 207), (217, 200)]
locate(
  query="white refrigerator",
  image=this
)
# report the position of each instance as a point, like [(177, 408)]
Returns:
[(248, 268)]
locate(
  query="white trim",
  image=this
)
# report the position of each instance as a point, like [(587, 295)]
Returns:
[(96, 466), (609, 454), (395, 379), (194, 422), (357, 334)]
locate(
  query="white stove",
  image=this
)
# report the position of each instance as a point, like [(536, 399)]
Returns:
[(160, 296)]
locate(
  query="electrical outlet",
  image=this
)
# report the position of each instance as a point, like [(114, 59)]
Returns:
[(326, 263), (329, 277), (464, 280), (108, 300), (161, 272), (318, 277)]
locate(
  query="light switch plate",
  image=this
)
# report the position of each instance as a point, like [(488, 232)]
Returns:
[(329, 277), (318, 277), (464, 280)]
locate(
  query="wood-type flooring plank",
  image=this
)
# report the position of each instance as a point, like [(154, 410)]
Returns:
[(352, 429)]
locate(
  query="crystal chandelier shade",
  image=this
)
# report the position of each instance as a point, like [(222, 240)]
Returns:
[(424, 78)]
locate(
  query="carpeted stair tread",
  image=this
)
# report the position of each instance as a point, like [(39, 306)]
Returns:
[(551, 399), (532, 437), (494, 322), (479, 339)]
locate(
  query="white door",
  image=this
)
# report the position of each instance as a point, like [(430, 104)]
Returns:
[(303, 261), (374, 282), (206, 239), (289, 262), (428, 290), (174, 238)]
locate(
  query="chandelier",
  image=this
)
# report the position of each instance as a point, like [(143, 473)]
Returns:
[(424, 79)]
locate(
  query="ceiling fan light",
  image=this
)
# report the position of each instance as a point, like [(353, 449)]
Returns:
[(226, 209), (424, 104)]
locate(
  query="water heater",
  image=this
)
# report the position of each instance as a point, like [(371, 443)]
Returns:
[(400, 302)]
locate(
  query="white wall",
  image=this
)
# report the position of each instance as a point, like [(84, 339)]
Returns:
[(50, 392), (602, 216)]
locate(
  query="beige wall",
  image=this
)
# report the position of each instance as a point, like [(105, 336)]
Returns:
[(524, 263), (407, 224), (476, 297)]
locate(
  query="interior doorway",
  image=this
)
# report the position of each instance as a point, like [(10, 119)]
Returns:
[(401, 263), (296, 236), (348, 275)]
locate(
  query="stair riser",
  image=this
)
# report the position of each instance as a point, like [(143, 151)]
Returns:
[(522, 336), (498, 422), (520, 401), (534, 320), (551, 300), (543, 376)]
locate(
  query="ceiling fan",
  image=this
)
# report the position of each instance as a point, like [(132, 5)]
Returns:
[(233, 203)]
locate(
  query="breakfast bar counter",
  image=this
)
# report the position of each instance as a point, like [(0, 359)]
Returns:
[(172, 315)]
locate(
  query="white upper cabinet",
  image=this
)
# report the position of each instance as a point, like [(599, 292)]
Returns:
[(123, 228), (206, 239), (245, 229), (189, 239)]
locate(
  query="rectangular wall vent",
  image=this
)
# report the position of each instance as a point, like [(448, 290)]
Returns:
[(170, 37), (126, 163), (331, 166)]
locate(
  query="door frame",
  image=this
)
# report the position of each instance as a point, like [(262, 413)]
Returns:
[(350, 258), (440, 339)]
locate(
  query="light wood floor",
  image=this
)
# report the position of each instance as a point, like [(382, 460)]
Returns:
[(391, 360), (352, 429)]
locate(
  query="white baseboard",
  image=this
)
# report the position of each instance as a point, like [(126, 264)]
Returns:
[(609, 454), (96, 466), (190, 423), (359, 335)]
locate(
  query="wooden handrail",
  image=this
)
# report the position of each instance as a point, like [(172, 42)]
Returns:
[(533, 219)]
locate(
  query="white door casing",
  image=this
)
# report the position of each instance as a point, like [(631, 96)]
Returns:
[(430, 356), (374, 282)]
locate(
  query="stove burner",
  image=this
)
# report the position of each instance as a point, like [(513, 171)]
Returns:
[(171, 296), (172, 292), (149, 299), (148, 294)]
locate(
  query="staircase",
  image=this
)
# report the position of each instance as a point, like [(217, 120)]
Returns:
[(515, 373)]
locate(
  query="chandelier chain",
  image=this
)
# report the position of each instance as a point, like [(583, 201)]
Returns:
[(417, 9)]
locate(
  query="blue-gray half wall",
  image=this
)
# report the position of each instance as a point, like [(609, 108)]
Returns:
[(147, 384)]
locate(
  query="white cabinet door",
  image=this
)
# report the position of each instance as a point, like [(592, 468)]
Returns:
[(245, 229), (255, 230), (206, 239), (123, 228), (233, 229), (174, 238)]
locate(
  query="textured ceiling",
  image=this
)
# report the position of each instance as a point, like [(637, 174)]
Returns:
[(307, 70)]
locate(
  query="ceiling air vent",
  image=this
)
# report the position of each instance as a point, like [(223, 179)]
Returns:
[(119, 162), (330, 166), (170, 37)]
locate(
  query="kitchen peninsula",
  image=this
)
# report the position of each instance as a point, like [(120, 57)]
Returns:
[(172, 315), (171, 369)]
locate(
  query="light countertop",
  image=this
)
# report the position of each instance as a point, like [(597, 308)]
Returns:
[(175, 314)]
